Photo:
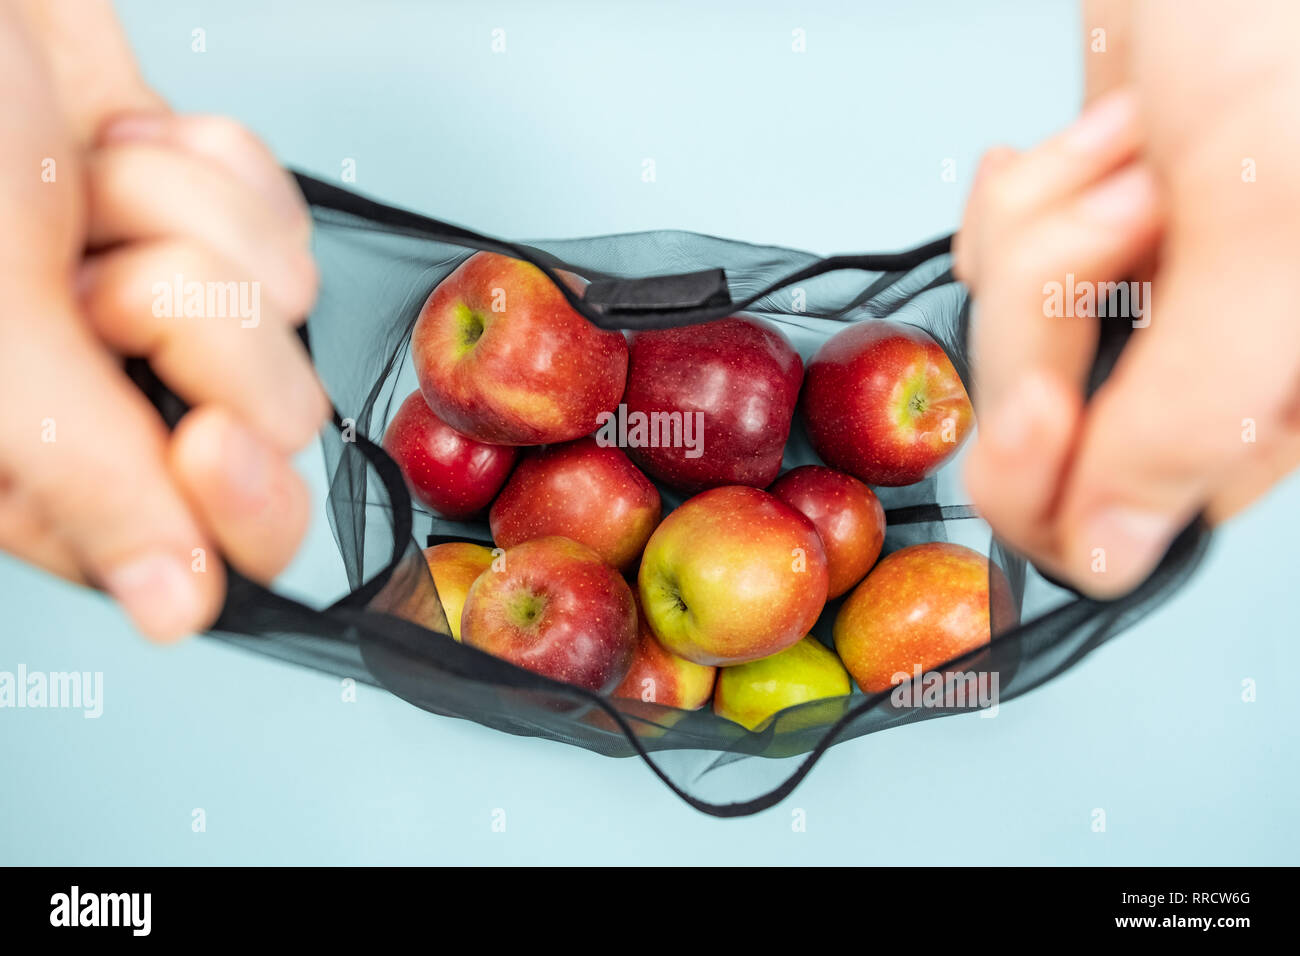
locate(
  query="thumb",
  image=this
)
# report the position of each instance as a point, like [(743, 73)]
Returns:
[(93, 70)]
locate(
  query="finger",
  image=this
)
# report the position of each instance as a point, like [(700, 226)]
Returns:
[(27, 535), (1105, 137), (1155, 443), (963, 246), (205, 336), (93, 70), (245, 491), (1045, 282), (91, 453), (1016, 466), (228, 146), (1256, 476), (1107, 33), (187, 197)]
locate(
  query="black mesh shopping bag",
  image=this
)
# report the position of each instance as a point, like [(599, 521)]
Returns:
[(379, 265)]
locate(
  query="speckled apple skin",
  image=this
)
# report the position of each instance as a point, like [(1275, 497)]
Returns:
[(455, 566), (538, 373), (451, 473), (732, 575), (658, 676), (585, 630), (744, 377), (846, 513), (856, 404), (583, 491), (748, 694), (922, 605)]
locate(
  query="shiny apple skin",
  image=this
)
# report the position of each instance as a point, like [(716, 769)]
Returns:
[(583, 491), (846, 513), (514, 367), (749, 694), (454, 567), (658, 676), (744, 377), (883, 402), (554, 608), (732, 575), (446, 471), (921, 606)]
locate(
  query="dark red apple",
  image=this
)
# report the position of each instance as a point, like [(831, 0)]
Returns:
[(846, 513), (449, 472), (557, 609), (732, 386), (583, 491), (883, 402), (502, 356)]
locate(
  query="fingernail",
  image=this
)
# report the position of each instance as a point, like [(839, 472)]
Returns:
[(1125, 544), (246, 467), (1102, 122), (1127, 195), (133, 128), (160, 594), (1011, 426)]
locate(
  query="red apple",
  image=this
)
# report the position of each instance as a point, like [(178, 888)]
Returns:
[(883, 402), (455, 566), (591, 494), (732, 575), (557, 609), (504, 358), (921, 606), (847, 515), (732, 383), (658, 676), (451, 473)]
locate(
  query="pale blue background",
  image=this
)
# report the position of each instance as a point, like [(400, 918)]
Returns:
[(836, 149)]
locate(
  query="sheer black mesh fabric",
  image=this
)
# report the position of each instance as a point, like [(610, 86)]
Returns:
[(379, 264)]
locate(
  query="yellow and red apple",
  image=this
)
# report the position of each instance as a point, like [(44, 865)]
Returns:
[(749, 694), (732, 575), (658, 676), (552, 606), (883, 402), (455, 565), (920, 607), (847, 515), (502, 357), (583, 491)]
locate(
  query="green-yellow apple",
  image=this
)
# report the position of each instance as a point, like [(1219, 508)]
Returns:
[(455, 565), (502, 357), (583, 491), (658, 676), (921, 606), (883, 402), (732, 575), (847, 515), (552, 606), (749, 694)]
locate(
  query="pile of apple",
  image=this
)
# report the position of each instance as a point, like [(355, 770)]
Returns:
[(591, 585)]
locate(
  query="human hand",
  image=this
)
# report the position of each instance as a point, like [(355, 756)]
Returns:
[(1152, 183), (92, 487)]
